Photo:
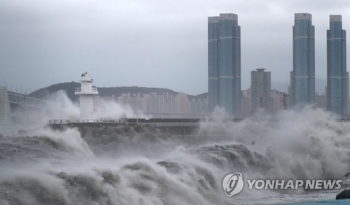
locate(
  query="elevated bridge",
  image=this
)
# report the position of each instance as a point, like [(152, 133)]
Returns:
[(13, 106), (24, 100)]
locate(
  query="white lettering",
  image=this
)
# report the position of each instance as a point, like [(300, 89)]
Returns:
[(338, 184), (279, 183), (261, 186), (289, 185), (310, 184), (294, 184), (270, 184), (250, 183), (328, 184), (298, 183), (318, 184)]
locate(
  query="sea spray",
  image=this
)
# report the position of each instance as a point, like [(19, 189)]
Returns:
[(139, 165)]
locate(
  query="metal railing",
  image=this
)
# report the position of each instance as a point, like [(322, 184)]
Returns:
[(102, 121)]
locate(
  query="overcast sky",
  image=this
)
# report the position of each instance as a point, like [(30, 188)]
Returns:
[(151, 43)]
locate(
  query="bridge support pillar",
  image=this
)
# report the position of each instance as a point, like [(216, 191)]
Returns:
[(5, 110)]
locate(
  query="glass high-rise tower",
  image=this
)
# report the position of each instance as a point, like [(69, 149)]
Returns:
[(224, 63), (261, 90), (303, 86), (336, 67)]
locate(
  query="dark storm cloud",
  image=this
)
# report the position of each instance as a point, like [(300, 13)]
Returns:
[(152, 43)]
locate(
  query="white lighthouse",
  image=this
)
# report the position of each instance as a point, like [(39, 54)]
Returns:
[(86, 96)]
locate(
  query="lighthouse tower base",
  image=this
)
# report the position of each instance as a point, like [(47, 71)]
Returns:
[(86, 106)]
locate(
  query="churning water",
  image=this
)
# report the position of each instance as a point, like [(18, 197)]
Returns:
[(138, 165)]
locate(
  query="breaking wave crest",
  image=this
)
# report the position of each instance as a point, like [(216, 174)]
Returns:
[(139, 165)]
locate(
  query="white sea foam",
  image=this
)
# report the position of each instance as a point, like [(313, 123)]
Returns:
[(138, 165)]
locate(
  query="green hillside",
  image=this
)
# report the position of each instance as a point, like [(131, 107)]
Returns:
[(105, 91)]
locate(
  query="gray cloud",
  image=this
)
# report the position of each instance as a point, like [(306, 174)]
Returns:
[(149, 43)]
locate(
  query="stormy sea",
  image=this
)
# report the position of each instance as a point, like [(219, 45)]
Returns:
[(137, 164)]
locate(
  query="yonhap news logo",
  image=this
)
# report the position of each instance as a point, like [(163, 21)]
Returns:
[(234, 183)]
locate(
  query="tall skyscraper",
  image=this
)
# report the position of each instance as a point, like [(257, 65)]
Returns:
[(224, 63), (261, 90), (303, 83), (336, 67), (347, 94), (291, 89)]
